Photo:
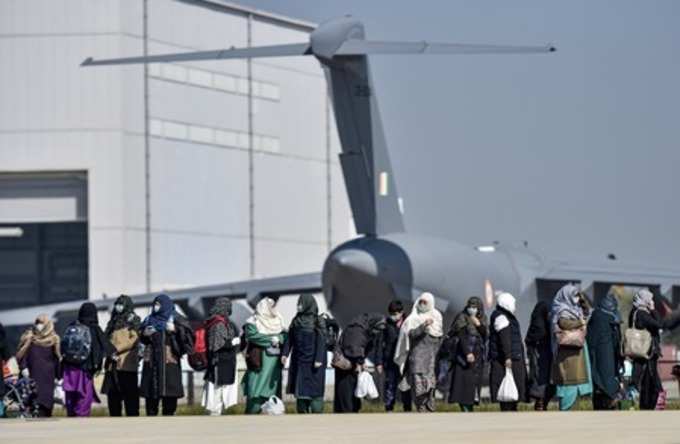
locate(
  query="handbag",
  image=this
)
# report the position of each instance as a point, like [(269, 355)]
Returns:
[(571, 338), (636, 343), (339, 360), (254, 357)]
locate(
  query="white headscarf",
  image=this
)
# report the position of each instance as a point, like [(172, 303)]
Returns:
[(419, 314), (267, 318), (643, 300), (507, 301)]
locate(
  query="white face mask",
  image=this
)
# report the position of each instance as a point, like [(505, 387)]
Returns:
[(472, 311), (39, 327), (395, 317), (299, 308), (576, 299), (118, 308), (156, 308)]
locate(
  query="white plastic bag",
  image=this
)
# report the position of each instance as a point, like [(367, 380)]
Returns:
[(59, 395), (507, 392), (366, 387), (273, 406)]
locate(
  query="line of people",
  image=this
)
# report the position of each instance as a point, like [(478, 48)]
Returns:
[(572, 350)]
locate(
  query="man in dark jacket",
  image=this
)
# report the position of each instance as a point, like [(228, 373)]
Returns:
[(385, 360)]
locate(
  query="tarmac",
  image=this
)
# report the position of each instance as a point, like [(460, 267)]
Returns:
[(549, 427)]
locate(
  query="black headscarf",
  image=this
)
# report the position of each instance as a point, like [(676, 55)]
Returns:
[(101, 346), (539, 327), (307, 314), (222, 308), (462, 320), (124, 319)]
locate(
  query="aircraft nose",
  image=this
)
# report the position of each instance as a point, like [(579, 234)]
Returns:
[(357, 260)]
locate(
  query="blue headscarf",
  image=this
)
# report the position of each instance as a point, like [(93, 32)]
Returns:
[(158, 319), (610, 305)]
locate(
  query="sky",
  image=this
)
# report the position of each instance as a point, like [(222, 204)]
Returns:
[(576, 151)]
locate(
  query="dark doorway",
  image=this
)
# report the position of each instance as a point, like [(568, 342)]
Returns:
[(43, 263)]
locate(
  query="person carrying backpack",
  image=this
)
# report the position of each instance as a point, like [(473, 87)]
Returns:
[(120, 381), (307, 343), (222, 344), (83, 348), (166, 336)]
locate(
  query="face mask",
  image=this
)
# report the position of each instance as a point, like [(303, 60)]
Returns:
[(421, 308), (156, 308), (395, 317), (472, 311), (576, 299), (299, 308), (39, 327), (118, 308)]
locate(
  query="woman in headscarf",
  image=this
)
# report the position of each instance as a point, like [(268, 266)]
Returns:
[(571, 366), (644, 316), (358, 339), (79, 376), (220, 391), (419, 340), (539, 350), (506, 350), (264, 333), (471, 330), (120, 380), (166, 336), (38, 356), (604, 346), (307, 345)]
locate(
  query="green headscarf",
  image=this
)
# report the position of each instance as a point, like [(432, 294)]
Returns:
[(307, 314), (125, 319)]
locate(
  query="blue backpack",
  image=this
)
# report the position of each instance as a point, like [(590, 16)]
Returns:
[(76, 344)]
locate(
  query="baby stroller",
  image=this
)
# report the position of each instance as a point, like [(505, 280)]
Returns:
[(21, 394)]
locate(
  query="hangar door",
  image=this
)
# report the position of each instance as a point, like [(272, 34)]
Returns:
[(43, 239)]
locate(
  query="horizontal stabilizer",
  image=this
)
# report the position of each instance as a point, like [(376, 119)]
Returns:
[(295, 49), (365, 47)]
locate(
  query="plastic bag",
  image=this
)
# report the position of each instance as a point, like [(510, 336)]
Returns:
[(273, 406), (59, 395), (366, 386), (507, 392)]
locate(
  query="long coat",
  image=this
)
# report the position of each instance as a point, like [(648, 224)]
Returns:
[(307, 347), (162, 369), (43, 365), (604, 346), (467, 376)]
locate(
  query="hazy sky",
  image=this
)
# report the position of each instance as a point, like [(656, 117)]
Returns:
[(577, 151)]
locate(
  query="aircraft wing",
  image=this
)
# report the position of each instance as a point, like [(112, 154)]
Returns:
[(366, 47), (193, 301)]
